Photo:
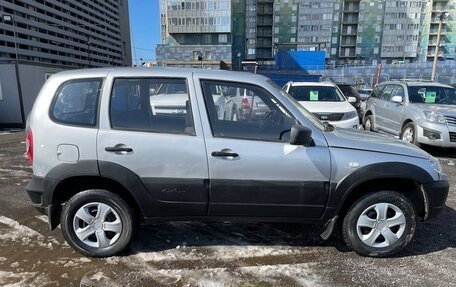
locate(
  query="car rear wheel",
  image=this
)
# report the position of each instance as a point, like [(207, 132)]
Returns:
[(97, 223), (379, 224), (369, 123)]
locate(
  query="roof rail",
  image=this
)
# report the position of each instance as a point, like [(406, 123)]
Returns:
[(415, 80)]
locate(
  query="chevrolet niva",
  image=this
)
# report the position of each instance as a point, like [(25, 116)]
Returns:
[(109, 152)]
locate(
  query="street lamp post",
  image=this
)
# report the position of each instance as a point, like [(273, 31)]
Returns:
[(442, 17)]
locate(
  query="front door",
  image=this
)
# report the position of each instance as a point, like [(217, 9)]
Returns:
[(253, 170), (395, 110), (151, 133)]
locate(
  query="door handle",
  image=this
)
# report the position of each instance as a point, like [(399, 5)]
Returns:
[(224, 153), (118, 149)]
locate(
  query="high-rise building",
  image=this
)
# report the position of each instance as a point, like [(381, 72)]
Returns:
[(195, 33), (431, 18), (66, 33), (349, 31)]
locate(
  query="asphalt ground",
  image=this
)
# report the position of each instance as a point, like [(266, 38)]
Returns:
[(211, 254)]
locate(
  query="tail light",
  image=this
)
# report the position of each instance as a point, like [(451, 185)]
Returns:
[(29, 146)]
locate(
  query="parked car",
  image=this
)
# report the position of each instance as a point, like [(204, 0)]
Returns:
[(103, 162), (417, 112), (326, 102), (349, 91)]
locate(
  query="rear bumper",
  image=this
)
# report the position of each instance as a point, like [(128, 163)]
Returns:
[(36, 190), (436, 194)]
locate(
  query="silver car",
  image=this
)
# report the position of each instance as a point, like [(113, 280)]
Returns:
[(109, 150), (417, 112)]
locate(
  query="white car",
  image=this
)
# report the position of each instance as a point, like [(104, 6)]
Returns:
[(326, 102)]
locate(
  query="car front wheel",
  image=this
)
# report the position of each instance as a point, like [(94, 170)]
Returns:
[(408, 134), (97, 223), (379, 224), (369, 123)]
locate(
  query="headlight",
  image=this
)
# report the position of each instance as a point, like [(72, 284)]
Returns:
[(349, 115), (435, 117), (435, 164)]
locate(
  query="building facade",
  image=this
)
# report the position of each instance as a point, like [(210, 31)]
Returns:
[(195, 33), (349, 31), (66, 33)]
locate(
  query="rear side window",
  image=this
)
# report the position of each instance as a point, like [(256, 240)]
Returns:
[(76, 102), (152, 105)]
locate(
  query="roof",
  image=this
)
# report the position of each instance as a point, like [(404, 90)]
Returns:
[(417, 83), (313, 84), (153, 71)]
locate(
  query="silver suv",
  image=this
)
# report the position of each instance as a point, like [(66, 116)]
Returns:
[(107, 154), (417, 112)]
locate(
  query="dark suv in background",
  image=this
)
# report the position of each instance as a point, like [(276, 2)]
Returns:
[(349, 91)]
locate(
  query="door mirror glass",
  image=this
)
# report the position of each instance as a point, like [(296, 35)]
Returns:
[(351, 99), (397, 99), (300, 135)]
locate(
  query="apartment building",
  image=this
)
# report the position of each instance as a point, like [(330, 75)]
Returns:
[(349, 31), (66, 33), (195, 33)]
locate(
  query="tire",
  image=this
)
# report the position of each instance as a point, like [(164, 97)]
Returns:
[(408, 134), (93, 239), (369, 123), (365, 231)]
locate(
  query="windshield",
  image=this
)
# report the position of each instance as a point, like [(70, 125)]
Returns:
[(432, 95), (305, 112), (316, 94)]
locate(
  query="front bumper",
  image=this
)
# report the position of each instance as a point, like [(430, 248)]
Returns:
[(436, 194), (444, 131), (346, 124)]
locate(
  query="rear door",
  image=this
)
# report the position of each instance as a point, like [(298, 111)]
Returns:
[(253, 169), (153, 130)]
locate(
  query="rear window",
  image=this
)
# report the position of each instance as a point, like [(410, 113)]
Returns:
[(76, 102), (316, 94)]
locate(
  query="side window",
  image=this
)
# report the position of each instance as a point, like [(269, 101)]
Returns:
[(398, 91), (76, 102), (245, 111), (152, 105), (386, 93), (376, 93)]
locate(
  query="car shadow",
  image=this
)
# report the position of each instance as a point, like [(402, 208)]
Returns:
[(440, 152), (434, 235), (431, 236)]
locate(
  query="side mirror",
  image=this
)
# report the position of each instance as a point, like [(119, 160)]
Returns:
[(351, 99), (397, 99), (300, 135)]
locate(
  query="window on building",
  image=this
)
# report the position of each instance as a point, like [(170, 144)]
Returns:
[(223, 38), (207, 55), (251, 51), (207, 38)]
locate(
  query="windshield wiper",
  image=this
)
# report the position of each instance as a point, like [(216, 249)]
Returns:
[(328, 127)]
